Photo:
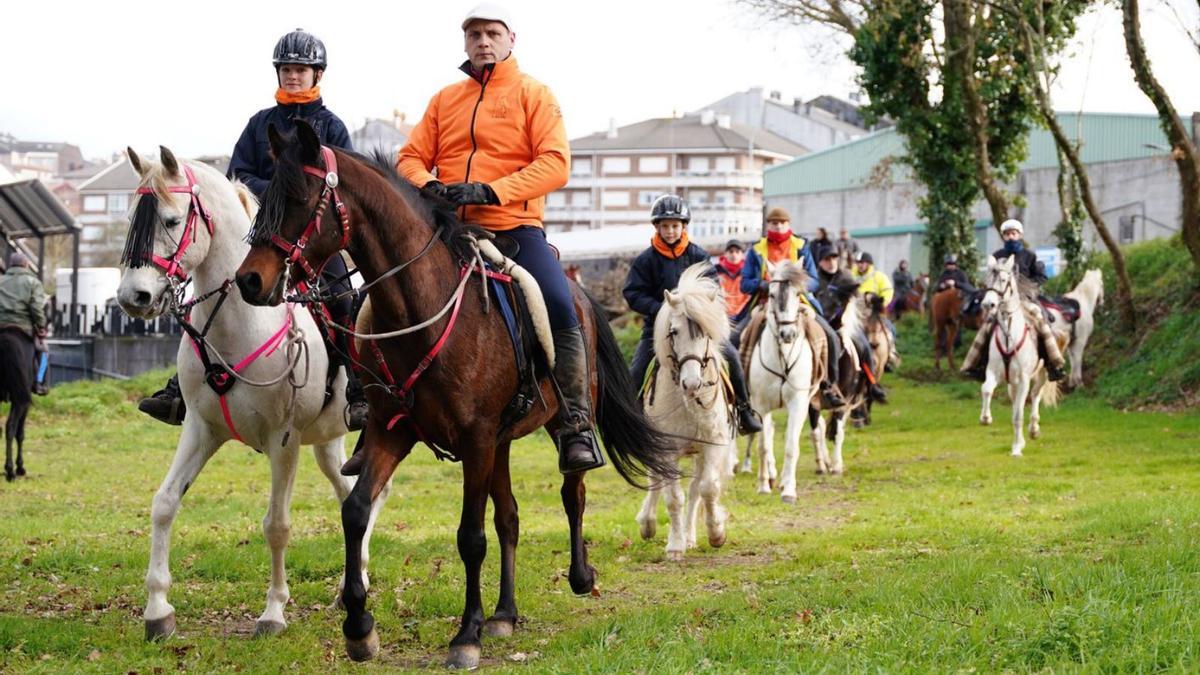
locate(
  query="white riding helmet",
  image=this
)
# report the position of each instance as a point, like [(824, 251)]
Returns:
[(1012, 224)]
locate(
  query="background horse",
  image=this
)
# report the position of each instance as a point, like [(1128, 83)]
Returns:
[(1013, 353), (323, 200), (189, 223), (883, 350), (688, 399), (16, 385), (913, 301), (852, 383), (948, 321), (1089, 293), (783, 374)]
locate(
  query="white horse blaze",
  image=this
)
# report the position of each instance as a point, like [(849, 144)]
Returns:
[(259, 414)]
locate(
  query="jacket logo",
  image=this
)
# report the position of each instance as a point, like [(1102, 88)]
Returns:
[(500, 110)]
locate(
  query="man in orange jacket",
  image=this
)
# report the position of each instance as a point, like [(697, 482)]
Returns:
[(498, 144)]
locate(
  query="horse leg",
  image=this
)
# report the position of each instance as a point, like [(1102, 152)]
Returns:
[(985, 391), (502, 622), (692, 510), (647, 517), (277, 528), (747, 465), (581, 575), (466, 648), (1035, 395), (1018, 392), (9, 425), (838, 439), (196, 446), (330, 457), (766, 456), (710, 492), (676, 534), (23, 410), (791, 447), (817, 425), (358, 512)]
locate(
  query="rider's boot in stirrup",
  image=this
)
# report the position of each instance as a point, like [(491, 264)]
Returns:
[(578, 449), (166, 404), (833, 398), (747, 419), (356, 402)]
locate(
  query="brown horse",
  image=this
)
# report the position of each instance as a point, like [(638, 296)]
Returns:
[(413, 255), (16, 386), (948, 322), (912, 301), (882, 344)]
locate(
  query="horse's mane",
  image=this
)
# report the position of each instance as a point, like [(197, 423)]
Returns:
[(289, 183), (794, 274), (703, 301), (854, 315)]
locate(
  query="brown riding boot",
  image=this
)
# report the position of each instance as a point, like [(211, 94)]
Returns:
[(974, 364), (578, 448)]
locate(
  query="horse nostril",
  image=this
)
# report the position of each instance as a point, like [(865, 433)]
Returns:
[(250, 284), (142, 298)]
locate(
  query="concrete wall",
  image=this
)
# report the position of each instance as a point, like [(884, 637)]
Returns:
[(1145, 191)]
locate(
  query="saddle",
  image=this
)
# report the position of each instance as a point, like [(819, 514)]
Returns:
[(1068, 307)]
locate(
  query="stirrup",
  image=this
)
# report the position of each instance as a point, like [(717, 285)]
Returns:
[(565, 439)]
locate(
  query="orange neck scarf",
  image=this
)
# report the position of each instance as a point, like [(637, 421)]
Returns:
[(668, 251), (285, 97)]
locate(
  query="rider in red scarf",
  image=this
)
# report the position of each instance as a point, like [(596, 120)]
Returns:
[(729, 272)]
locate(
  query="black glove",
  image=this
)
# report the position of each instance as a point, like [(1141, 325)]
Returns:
[(436, 188), (470, 193)]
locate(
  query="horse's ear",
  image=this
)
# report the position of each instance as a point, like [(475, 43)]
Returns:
[(712, 291), (310, 143), (275, 140), (136, 162), (168, 160), (671, 297), (991, 261)]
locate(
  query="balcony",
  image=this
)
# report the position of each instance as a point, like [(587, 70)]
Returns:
[(680, 179)]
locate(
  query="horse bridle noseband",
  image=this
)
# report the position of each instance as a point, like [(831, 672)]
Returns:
[(293, 252), (677, 363), (173, 266)]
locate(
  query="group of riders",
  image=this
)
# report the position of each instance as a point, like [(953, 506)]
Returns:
[(497, 165)]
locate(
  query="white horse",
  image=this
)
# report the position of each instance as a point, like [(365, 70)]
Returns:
[(190, 223), (852, 382), (1013, 354), (688, 400), (1089, 293), (782, 376)]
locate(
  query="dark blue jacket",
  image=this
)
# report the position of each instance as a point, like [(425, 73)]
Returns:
[(651, 274), (752, 273), (251, 162), (1027, 264)]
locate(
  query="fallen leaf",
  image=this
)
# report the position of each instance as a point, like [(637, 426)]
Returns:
[(94, 655)]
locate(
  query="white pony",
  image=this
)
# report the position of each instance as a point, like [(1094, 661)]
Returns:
[(853, 383), (688, 400), (1089, 293), (782, 376), (190, 223), (1013, 354)]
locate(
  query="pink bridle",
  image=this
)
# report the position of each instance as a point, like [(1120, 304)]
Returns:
[(173, 266), (294, 252)]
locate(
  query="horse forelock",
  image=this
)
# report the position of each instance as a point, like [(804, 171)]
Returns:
[(704, 301), (286, 184), (144, 217)]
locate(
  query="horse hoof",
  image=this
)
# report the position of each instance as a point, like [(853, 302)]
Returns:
[(268, 628), (717, 541), (820, 470), (160, 629), (985, 422), (675, 556), (364, 649), (20, 471), (1035, 433), (647, 529), (837, 470), (771, 483), (463, 657), (764, 490), (789, 499), (9, 476), (498, 628)]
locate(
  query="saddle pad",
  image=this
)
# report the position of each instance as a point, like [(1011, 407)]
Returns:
[(1068, 307)]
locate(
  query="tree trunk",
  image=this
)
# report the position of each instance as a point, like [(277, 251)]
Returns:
[(1183, 151), (960, 62)]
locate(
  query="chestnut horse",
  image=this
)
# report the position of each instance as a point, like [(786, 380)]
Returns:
[(413, 255), (948, 322)]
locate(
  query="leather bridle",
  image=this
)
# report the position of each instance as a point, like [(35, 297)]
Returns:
[(173, 266)]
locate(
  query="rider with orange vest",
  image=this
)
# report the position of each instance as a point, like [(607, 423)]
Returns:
[(729, 272), (783, 245), (497, 141)]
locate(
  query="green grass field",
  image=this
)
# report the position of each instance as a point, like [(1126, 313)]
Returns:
[(935, 552)]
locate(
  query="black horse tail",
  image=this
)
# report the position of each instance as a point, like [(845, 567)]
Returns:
[(636, 447)]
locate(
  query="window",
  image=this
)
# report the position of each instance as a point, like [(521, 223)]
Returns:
[(616, 165), (581, 198), (581, 167), (652, 165), (93, 203), (727, 164), (615, 198), (1126, 231), (647, 197), (118, 203), (556, 199), (697, 164), (723, 197)]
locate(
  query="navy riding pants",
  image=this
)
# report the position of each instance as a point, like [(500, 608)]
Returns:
[(536, 256)]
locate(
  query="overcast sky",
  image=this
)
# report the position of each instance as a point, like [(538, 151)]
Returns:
[(104, 75)]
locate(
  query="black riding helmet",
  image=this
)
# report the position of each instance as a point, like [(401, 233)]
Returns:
[(864, 257), (950, 259), (300, 48), (670, 206)]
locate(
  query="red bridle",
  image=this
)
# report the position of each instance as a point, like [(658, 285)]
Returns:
[(173, 266), (294, 252)]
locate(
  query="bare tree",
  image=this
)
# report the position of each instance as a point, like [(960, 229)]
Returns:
[(1183, 151), (845, 16)]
